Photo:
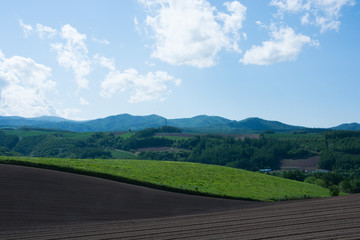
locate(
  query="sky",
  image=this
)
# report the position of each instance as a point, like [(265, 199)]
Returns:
[(294, 61)]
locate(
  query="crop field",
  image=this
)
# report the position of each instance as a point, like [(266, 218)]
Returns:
[(45, 204), (194, 178), (308, 164)]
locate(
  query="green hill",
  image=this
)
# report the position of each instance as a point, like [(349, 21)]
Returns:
[(124, 122), (348, 126), (185, 177)]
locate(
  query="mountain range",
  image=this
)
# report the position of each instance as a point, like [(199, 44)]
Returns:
[(126, 122)]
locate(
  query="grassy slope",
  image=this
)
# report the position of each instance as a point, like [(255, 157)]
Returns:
[(184, 177)]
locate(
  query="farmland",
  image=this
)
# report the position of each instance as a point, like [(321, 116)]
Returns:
[(56, 205), (201, 179)]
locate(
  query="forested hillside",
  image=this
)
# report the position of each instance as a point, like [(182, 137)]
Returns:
[(250, 154), (125, 122), (339, 151)]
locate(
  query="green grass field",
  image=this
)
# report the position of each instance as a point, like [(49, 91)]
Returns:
[(191, 178)]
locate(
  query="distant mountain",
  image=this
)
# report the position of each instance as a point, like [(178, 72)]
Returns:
[(201, 121), (125, 122), (50, 119), (258, 124), (348, 126), (41, 122)]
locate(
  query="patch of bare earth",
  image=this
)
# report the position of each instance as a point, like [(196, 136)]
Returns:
[(327, 218), (242, 136), (308, 164), (159, 149)]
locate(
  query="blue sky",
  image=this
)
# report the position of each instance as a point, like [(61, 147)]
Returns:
[(295, 61)]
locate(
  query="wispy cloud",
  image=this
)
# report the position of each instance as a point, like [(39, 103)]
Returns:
[(101, 41), (321, 13), (27, 29), (83, 101), (73, 54), (152, 86), (285, 45), (108, 63), (45, 31)]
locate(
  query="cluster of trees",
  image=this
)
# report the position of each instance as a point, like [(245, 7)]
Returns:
[(340, 154), (250, 154), (98, 145), (342, 151), (336, 182), (50, 145)]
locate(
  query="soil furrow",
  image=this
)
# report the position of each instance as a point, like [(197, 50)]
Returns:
[(42, 204), (207, 230), (215, 222)]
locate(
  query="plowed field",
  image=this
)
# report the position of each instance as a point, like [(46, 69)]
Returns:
[(44, 204)]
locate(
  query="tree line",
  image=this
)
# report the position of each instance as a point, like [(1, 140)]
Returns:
[(250, 154)]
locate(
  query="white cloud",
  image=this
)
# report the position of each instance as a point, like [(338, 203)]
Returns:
[(27, 29), (69, 113), (290, 5), (285, 45), (105, 62), (84, 101), (152, 86), (45, 31), (234, 21), (73, 54), (192, 32), (321, 13), (26, 87), (305, 19), (101, 41)]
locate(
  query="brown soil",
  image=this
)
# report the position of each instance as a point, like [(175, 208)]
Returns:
[(308, 164), (159, 149), (33, 196), (242, 136), (63, 206)]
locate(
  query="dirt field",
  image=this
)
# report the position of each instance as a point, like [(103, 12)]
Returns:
[(308, 164), (43, 204)]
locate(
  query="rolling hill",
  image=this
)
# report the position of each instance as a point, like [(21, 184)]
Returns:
[(348, 126), (125, 122), (185, 177)]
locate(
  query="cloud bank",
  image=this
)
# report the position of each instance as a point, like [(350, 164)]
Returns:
[(193, 32), (27, 86)]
